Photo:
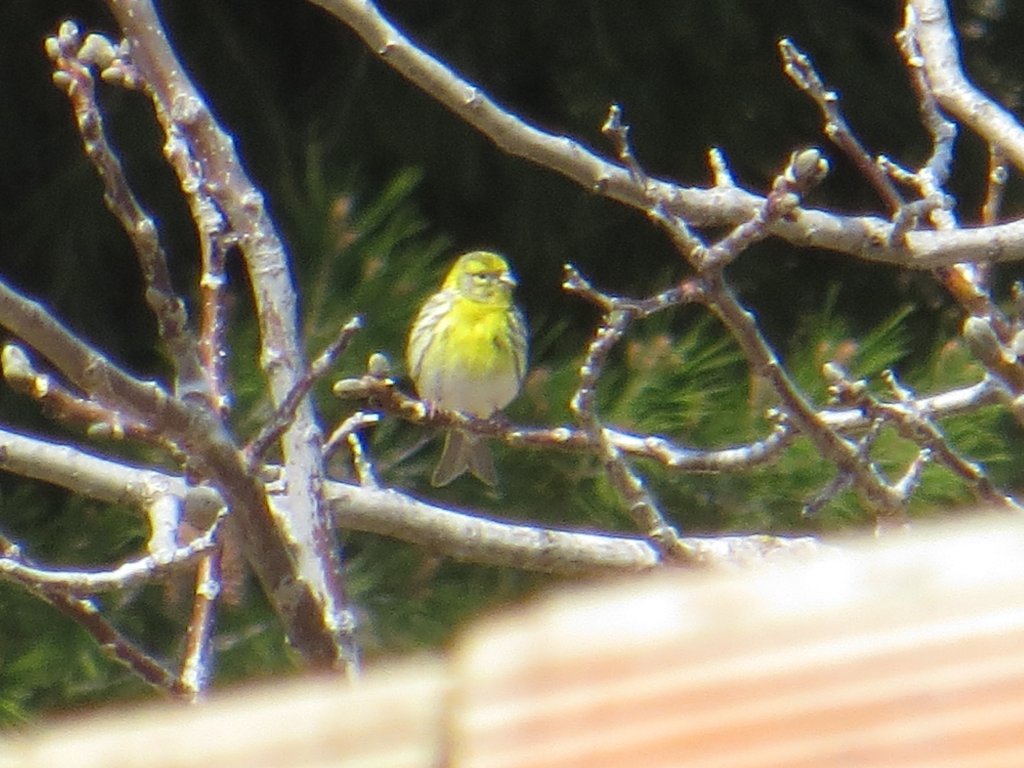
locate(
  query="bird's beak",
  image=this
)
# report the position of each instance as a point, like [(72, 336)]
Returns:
[(508, 280)]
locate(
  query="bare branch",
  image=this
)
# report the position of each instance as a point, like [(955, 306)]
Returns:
[(86, 614), (864, 237), (196, 667), (940, 60), (60, 403), (184, 114), (387, 398), (479, 539), (461, 535), (802, 72), (83, 582), (640, 504), (911, 424), (203, 437), (72, 74), (285, 413)]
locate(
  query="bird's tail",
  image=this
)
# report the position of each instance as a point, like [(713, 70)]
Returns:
[(464, 451)]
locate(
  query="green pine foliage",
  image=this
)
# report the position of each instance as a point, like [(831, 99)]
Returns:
[(694, 387), (63, 530)]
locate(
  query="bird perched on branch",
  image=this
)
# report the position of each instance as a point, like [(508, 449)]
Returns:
[(467, 352)]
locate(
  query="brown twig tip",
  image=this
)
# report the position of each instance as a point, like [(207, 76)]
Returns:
[(72, 57), (805, 169), (575, 283), (65, 42), (16, 367), (618, 133), (572, 278), (353, 424), (613, 125), (998, 357), (998, 176), (720, 168), (798, 67), (841, 388), (99, 51), (911, 479), (337, 347), (1017, 300)]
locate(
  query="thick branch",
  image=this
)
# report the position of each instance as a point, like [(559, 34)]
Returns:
[(954, 92), (864, 237), (193, 428), (461, 535), (317, 558)]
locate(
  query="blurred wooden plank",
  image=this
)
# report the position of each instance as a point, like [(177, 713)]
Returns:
[(393, 719), (909, 653)]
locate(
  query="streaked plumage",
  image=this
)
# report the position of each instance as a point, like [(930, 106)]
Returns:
[(467, 352)]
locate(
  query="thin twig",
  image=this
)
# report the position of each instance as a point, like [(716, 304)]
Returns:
[(720, 172), (60, 403), (285, 413), (196, 667), (640, 504), (75, 78), (86, 614), (801, 71), (656, 207), (349, 432), (87, 582)]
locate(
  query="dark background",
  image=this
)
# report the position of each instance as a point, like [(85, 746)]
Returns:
[(314, 113), (311, 106), (324, 127)]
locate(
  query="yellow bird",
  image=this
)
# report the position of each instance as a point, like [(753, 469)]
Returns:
[(467, 352)]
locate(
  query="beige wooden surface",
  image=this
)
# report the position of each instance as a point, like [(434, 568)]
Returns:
[(909, 653)]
